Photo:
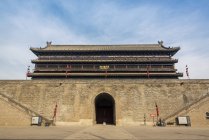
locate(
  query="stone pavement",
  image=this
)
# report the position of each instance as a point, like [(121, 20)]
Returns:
[(102, 132), (105, 132)]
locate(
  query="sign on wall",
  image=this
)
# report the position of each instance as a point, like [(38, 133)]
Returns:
[(182, 120), (104, 67)]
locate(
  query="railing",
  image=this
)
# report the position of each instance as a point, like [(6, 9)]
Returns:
[(96, 66), (109, 69)]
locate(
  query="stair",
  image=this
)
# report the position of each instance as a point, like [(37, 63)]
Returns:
[(19, 106)]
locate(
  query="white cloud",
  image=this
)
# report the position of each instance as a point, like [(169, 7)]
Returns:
[(101, 23), (27, 29)]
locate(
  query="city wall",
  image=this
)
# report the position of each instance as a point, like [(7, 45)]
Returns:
[(75, 98)]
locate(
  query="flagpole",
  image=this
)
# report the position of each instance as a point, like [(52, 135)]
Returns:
[(157, 111), (28, 71), (148, 71), (105, 73), (55, 113), (66, 71), (187, 71)]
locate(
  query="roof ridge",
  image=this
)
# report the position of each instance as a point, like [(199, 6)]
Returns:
[(104, 44)]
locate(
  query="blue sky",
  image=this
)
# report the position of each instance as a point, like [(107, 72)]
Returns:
[(25, 23)]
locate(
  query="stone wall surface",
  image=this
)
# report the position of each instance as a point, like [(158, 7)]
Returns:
[(198, 113), (75, 98), (11, 116)]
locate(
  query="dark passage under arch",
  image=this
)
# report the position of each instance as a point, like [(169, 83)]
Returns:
[(105, 109)]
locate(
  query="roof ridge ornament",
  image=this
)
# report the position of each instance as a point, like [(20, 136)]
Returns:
[(48, 44), (160, 43)]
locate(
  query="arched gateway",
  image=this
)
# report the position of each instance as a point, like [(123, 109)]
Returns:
[(105, 109)]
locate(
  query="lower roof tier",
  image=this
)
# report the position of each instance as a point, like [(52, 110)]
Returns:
[(108, 61), (109, 74)]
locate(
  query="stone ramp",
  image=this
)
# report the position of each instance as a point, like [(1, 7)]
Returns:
[(21, 108), (186, 109), (102, 132)]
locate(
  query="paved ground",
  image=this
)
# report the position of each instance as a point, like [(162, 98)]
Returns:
[(105, 132)]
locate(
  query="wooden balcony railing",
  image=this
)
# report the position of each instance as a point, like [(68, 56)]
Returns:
[(57, 59), (109, 69)]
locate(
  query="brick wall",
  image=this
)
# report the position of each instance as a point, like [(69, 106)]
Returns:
[(75, 98)]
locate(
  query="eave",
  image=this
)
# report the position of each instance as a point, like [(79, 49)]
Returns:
[(104, 74), (40, 52), (103, 61)]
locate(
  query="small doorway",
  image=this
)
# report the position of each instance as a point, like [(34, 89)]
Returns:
[(105, 109)]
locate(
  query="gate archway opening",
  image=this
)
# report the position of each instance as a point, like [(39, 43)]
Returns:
[(105, 109)]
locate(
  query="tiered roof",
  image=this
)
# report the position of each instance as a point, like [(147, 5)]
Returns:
[(107, 48), (127, 60)]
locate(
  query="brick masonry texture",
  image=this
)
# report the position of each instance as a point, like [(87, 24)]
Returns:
[(76, 99)]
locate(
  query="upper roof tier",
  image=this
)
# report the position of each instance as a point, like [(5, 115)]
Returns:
[(105, 48)]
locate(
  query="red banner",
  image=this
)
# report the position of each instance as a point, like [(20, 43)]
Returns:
[(157, 110), (55, 111)]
